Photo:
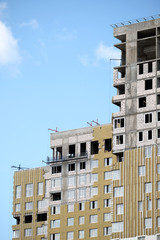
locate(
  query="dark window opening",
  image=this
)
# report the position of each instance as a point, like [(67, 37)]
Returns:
[(120, 157), (82, 165), (59, 153), (158, 116), (147, 33), (142, 102), (83, 149), (148, 84), (53, 153), (120, 89), (56, 196), (150, 69), (158, 65), (28, 219), (140, 138), (81, 206), (149, 134), (53, 236), (119, 123), (158, 99), (72, 150), (71, 167), (146, 49), (158, 47), (94, 147), (93, 204), (57, 169), (140, 68), (17, 220), (148, 118), (158, 82), (158, 133), (108, 144), (41, 217)]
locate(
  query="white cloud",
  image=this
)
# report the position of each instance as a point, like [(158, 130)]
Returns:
[(33, 23), (106, 52), (3, 5), (9, 52), (65, 35)]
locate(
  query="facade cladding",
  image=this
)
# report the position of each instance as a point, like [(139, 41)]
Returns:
[(103, 182)]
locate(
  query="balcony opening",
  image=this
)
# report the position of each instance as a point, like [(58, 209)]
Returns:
[(147, 33), (118, 104), (158, 99), (94, 147), (148, 84), (71, 151), (108, 145), (28, 219), (59, 153), (83, 149), (120, 157), (146, 49), (120, 89), (122, 38), (41, 217), (142, 102), (17, 218), (140, 68), (158, 82), (121, 72), (56, 169)]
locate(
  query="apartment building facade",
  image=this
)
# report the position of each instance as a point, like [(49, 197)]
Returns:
[(103, 182)]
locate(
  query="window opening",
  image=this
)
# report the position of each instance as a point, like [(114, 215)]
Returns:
[(82, 165), (149, 134), (142, 102), (41, 217), (28, 219), (150, 68), (108, 144), (56, 196), (71, 167), (148, 118), (140, 68), (158, 99), (148, 84), (57, 169), (140, 136), (94, 147)]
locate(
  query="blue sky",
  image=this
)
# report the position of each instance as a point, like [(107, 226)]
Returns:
[(54, 72)]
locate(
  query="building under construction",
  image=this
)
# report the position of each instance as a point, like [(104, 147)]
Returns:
[(103, 182)]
